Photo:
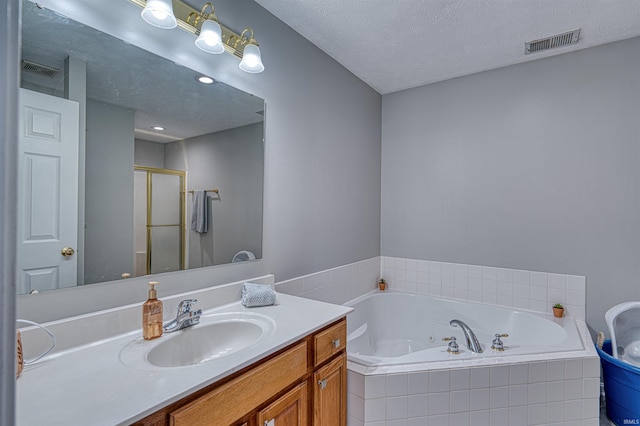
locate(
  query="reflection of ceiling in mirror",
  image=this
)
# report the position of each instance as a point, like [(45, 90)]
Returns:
[(160, 91)]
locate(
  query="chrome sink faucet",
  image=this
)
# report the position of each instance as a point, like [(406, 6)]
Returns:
[(472, 341), (184, 318)]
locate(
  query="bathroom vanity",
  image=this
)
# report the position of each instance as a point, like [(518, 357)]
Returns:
[(293, 374), (302, 384)]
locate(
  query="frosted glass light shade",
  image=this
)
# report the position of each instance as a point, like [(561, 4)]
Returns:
[(159, 13), (210, 38), (251, 59)]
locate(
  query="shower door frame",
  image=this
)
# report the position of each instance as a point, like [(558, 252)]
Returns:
[(149, 226)]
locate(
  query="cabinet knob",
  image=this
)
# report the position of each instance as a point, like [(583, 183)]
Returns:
[(336, 343), (322, 383)]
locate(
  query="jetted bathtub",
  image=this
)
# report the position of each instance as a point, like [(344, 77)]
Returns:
[(395, 328)]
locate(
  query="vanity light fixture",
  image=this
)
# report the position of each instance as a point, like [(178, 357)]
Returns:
[(159, 13), (211, 35)]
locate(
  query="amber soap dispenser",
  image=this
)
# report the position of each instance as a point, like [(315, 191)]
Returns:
[(152, 314)]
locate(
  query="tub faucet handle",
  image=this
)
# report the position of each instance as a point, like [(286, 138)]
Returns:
[(452, 347), (497, 344)]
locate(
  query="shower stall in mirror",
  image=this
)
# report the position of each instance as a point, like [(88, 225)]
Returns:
[(158, 220)]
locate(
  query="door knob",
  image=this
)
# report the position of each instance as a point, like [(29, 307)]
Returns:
[(68, 251)]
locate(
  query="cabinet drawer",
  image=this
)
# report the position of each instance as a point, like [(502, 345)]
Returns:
[(329, 342), (240, 396)]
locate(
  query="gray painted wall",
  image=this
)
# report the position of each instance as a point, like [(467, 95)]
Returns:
[(148, 154), (109, 195), (322, 158), (233, 162), (533, 166)]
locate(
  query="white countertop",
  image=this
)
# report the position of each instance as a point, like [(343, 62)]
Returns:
[(90, 385)]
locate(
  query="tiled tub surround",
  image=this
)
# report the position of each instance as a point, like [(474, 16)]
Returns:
[(559, 388), (520, 289)]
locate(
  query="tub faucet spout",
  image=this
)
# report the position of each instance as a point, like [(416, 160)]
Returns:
[(472, 341)]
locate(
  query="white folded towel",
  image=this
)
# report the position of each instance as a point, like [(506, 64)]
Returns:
[(257, 295)]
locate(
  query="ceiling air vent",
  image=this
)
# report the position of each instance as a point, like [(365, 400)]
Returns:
[(558, 40), (39, 69)]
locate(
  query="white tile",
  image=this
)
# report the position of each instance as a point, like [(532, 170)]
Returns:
[(475, 284), (355, 383), (505, 275), (576, 297), (399, 422), (481, 418), (418, 383), (355, 406), (440, 420), (382, 423), (520, 277), (475, 271), (518, 416), (489, 273), (417, 405), (499, 416), (555, 391), (352, 421), (521, 290), (396, 408), (461, 270), (411, 264), (448, 292), (555, 370), (573, 389), (518, 395), (460, 379), (518, 374), (499, 397), (374, 409), (558, 281), (460, 294), (438, 403), (448, 268), (460, 419), (573, 410), (418, 421), (573, 368), (539, 306), (480, 377), (537, 393), (537, 414), (489, 286), (459, 401), (537, 372), (439, 381), (591, 367), (591, 388), (375, 386), (461, 282), (538, 279), (435, 267), (474, 296), (479, 399), (499, 375), (538, 293), (520, 303), (576, 283), (555, 295), (396, 385), (504, 300), (423, 265), (504, 288), (489, 298), (555, 412), (448, 281)]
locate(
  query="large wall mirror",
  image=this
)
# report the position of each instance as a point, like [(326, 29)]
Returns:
[(170, 168)]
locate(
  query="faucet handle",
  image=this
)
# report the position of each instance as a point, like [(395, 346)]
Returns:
[(185, 305), (497, 344), (452, 347)]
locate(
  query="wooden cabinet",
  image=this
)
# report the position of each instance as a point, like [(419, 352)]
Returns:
[(288, 410), (301, 385), (329, 399)]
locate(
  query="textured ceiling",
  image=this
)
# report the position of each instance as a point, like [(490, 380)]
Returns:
[(398, 44)]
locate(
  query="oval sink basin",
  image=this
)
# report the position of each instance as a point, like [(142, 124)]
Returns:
[(215, 337)]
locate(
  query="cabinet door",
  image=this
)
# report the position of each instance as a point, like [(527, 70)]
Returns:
[(288, 410), (330, 394)]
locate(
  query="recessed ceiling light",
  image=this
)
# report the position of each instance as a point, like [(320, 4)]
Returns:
[(205, 80), (159, 128)]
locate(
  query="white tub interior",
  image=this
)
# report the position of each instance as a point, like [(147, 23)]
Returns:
[(394, 328)]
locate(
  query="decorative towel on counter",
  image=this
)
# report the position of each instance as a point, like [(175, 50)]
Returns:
[(199, 212), (257, 295)]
